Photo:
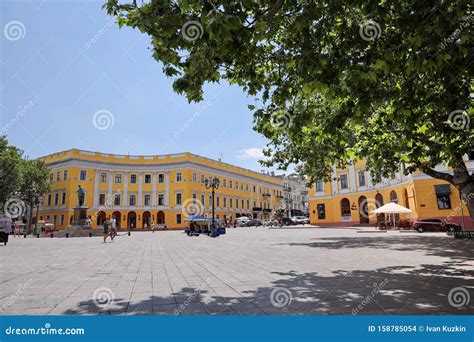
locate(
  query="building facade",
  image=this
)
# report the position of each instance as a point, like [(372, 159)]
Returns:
[(352, 195), (295, 195), (141, 191)]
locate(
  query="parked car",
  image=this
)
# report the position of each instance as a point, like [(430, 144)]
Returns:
[(270, 223), (241, 221), (435, 225), (301, 219), (286, 221), (253, 223)]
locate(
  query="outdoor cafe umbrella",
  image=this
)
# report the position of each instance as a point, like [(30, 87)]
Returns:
[(392, 208)]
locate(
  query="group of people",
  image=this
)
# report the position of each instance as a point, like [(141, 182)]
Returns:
[(110, 228)]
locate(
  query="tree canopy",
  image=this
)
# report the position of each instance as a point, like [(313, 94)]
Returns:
[(388, 81)]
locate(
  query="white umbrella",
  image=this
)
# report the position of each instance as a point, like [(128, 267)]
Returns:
[(392, 208)]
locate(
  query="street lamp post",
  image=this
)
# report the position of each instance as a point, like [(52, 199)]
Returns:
[(212, 183)]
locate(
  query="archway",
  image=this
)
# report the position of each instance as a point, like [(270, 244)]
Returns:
[(117, 216), (394, 199), (160, 217), (101, 218), (146, 219), (132, 220), (378, 204), (363, 210), (345, 210)]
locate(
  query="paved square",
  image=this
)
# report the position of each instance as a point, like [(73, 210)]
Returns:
[(249, 271)]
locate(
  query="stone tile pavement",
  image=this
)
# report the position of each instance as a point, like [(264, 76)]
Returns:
[(249, 271)]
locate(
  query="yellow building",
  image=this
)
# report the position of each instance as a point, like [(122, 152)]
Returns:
[(140, 191), (350, 198)]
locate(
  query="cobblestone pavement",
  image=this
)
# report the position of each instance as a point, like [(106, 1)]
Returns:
[(248, 271)]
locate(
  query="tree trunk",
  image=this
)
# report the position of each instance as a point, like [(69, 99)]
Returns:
[(30, 218)]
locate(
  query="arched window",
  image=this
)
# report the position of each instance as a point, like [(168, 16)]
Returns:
[(345, 207)]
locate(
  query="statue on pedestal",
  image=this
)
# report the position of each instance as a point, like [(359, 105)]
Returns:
[(80, 196)]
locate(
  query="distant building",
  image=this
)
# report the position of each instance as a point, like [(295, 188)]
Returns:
[(140, 191), (295, 195)]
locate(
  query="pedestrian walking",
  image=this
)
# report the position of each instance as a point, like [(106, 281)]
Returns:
[(106, 229), (113, 231)]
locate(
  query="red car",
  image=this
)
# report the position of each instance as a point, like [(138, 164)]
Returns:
[(435, 225)]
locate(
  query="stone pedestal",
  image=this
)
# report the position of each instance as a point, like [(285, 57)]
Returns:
[(80, 216)]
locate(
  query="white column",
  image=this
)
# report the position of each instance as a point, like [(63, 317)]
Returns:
[(140, 187), (95, 202), (335, 188), (153, 188), (352, 178), (125, 190), (110, 175), (167, 189)]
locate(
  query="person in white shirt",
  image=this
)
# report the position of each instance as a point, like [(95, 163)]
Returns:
[(113, 231)]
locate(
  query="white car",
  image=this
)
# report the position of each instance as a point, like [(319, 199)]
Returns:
[(241, 221)]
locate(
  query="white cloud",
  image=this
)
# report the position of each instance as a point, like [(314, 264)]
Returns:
[(251, 153)]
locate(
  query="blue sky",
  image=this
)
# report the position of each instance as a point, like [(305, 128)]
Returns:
[(70, 78)]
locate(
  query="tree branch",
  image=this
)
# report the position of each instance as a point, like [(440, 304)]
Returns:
[(436, 174)]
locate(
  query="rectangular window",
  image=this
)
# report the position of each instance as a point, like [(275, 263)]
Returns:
[(242, 204), (248, 204), (203, 178), (444, 201), (51, 178), (321, 208), (83, 175), (224, 183), (237, 203), (218, 201), (161, 199), (132, 200), (147, 179), (225, 202), (117, 199), (344, 184), (133, 179), (61, 220), (161, 178), (179, 177), (56, 198), (230, 203), (237, 185), (103, 177), (194, 198), (194, 177), (361, 178), (203, 200), (319, 186), (63, 198), (147, 200), (178, 218), (378, 177), (65, 175), (254, 189), (118, 178), (49, 199), (58, 176), (230, 184), (101, 199), (179, 198)]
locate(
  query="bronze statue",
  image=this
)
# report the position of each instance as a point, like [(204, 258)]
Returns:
[(80, 196)]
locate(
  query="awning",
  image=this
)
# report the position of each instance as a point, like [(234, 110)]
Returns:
[(442, 189)]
